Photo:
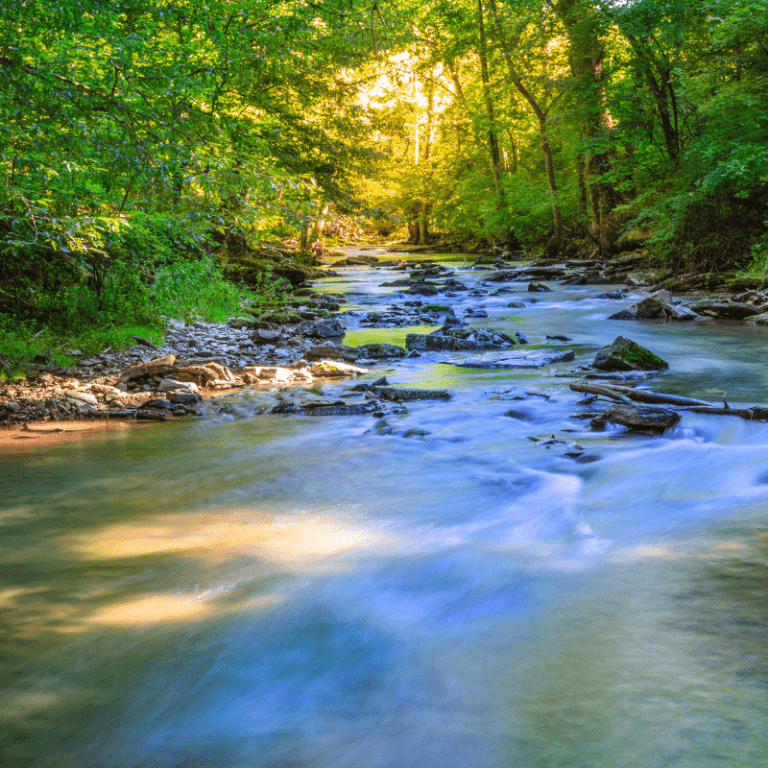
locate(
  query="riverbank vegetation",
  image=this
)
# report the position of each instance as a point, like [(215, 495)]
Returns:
[(151, 150)]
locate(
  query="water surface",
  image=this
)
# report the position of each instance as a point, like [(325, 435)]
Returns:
[(295, 592)]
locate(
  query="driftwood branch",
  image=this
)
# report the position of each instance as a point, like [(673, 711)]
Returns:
[(600, 391), (627, 395)]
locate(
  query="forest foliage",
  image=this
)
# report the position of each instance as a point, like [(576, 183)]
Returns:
[(142, 138)]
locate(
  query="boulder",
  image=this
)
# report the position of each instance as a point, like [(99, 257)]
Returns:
[(626, 355), (322, 329), (450, 339), (761, 319), (266, 336), (327, 350), (201, 375), (356, 261), (222, 372), (503, 276), (171, 385), (642, 417), (535, 287), (161, 365), (731, 310), (80, 398), (275, 375), (656, 306), (423, 289), (380, 351), (184, 398)]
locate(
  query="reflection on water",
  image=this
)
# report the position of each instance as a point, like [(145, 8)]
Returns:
[(299, 542), (292, 593)]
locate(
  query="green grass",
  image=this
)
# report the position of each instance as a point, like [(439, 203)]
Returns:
[(130, 304)]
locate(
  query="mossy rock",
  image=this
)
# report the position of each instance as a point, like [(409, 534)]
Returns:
[(280, 316), (626, 355), (747, 282), (703, 281), (250, 267)]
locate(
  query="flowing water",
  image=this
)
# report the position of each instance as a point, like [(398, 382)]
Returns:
[(296, 592)]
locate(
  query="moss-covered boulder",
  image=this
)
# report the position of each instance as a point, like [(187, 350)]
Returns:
[(626, 355)]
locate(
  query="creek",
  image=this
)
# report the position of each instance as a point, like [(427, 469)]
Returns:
[(310, 592)]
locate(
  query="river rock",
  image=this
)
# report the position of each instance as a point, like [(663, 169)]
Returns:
[(503, 276), (105, 390), (266, 336), (184, 398), (380, 351), (322, 329), (201, 375), (626, 355), (327, 350), (356, 261), (78, 398), (275, 375), (335, 368), (535, 287), (642, 417), (517, 359), (423, 289), (171, 385), (222, 372), (761, 319), (731, 310), (161, 364), (656, 306), (448, 339), (401, 394)]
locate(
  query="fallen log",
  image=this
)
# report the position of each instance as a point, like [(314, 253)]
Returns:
[(626, 395), (638, 395)]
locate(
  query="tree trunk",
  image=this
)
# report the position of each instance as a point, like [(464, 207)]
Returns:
[(586, 60), (493, 140), (541, 116)]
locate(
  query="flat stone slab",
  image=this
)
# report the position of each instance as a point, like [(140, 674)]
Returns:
[(732, 310), (536, 358)]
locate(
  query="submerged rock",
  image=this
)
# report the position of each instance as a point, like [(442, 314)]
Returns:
[(626, 355), (516, 359), (326, 409), (401, 394)]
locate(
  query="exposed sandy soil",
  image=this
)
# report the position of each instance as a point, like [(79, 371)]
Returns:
[(23, 438)]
